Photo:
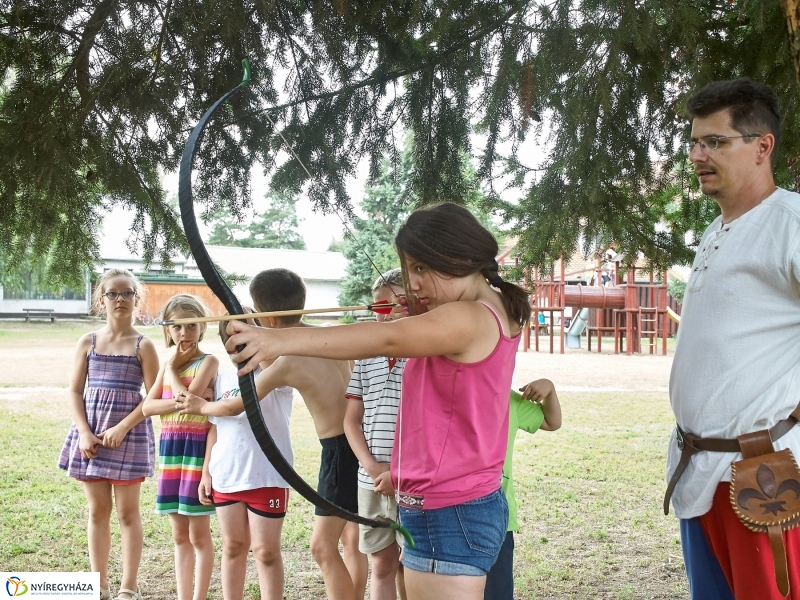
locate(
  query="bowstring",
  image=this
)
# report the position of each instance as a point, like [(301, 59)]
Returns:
[(333, 207)]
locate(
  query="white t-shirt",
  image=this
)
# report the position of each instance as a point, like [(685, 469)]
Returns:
[(737, 360), (237, 462), (379, 389)]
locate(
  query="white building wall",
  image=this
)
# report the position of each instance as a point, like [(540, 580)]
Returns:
[(319, 294)]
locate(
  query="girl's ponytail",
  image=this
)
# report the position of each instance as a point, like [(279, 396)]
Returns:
[(515, 298)]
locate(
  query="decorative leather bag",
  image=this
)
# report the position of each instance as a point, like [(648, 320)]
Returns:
[(765, 495)]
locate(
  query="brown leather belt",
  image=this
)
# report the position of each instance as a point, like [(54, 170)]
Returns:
[(690, 444)]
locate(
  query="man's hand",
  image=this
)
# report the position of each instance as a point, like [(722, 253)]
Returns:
[(88, 443), (537, 390), (204, 490), (189, 404), (113, 436)]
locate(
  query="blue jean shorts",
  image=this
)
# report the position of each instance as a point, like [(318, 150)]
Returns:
[(464, 539)]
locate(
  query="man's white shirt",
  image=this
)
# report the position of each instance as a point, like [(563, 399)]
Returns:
[(737, 360)]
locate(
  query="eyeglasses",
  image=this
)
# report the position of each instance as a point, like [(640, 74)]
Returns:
[(711, 142), (115, 295)]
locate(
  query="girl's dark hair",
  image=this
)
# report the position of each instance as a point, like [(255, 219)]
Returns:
[(447, 238)]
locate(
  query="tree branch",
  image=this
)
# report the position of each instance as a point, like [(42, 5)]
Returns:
[(164, 18), (379, 80), (80, 64)]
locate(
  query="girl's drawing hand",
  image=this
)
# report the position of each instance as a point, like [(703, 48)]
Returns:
[(88, 445), (383, 483), (537, 390), (184, 352), (113, 436), (204, 490), (419, 307), (189, 404), (256, 342)]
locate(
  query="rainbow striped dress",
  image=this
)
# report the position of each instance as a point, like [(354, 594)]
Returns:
[(181, 449)]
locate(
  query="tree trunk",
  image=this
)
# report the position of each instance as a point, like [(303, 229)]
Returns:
[(791, 9)]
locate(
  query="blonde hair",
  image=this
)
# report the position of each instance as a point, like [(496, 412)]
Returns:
[(388, 279), (100, 288), (188, 303)]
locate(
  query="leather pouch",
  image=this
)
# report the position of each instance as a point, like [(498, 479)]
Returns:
[(765, 495)]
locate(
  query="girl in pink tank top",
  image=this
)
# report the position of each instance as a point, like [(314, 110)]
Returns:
[(453, 422)]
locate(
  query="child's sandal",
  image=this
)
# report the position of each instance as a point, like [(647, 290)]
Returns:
[(105, 594), (129, 595)]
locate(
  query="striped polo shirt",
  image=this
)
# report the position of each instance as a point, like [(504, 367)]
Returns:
[(377, 384)]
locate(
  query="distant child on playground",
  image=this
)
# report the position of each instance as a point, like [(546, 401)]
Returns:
[(370, 421), (182, 446), (536, 408), (322, 384), (110, 447), (452, 426), (239, 481)]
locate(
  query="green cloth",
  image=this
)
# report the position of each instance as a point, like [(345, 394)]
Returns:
[(528, 416)]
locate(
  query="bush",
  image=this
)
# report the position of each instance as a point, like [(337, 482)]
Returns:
[(676, 289)]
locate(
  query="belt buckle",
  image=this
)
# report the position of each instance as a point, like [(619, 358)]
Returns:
[(679, 438)]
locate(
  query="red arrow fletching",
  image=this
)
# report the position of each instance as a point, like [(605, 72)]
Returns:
[(382, 307)]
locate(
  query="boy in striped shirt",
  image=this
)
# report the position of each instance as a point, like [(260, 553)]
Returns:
[(369, 423)]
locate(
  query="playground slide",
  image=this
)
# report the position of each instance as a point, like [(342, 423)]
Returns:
[(673, 315), (576, 328)]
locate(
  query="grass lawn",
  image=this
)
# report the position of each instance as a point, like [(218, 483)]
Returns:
[(590, 494)]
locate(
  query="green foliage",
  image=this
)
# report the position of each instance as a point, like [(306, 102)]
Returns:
[(611, 80), (97, 100), (276, 227), (31, 278), (387, 203), (336, 246), (676, 288), (386, 206)]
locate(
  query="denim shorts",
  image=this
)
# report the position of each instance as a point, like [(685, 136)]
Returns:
[(464, 539)]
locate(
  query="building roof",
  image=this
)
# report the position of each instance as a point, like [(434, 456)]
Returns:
[(311, 266)]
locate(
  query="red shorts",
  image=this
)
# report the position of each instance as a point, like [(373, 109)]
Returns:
[(113, 481), (267, 502)]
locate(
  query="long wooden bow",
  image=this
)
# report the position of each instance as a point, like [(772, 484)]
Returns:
[(247, 382)]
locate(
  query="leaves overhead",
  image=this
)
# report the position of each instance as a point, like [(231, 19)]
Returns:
[(98, 98)]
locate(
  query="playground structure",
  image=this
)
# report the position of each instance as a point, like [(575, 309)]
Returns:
[(634, 313)]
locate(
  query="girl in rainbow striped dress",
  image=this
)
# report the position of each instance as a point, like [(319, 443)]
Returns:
[(182, 446)]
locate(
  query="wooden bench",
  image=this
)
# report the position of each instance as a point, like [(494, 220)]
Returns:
[(39, 313)]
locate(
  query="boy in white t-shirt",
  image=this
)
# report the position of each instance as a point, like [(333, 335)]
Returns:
[(369, 423), (249, 495)]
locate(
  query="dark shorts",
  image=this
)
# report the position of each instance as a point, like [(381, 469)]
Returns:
[(500, 579), (338, 475)]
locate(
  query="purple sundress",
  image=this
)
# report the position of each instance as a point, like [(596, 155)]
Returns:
[(113, 391)]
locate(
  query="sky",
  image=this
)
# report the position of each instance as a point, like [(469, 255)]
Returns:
[(317, 229)]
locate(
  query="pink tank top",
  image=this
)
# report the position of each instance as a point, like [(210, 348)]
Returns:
[(452, 428)]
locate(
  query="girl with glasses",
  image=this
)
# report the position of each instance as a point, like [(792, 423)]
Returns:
[(110, 445)]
